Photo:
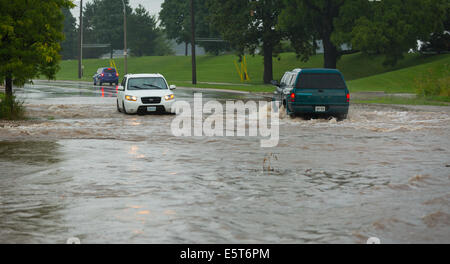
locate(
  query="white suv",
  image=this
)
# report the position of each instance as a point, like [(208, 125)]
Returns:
[(145, 93)]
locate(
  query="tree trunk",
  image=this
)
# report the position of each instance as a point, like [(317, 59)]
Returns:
[(330, 53), (8, 87), (268, 63), (186, 49)]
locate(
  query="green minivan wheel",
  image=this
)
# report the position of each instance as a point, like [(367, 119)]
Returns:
[(342, 117)]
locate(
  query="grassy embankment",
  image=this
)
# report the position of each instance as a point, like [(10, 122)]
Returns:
[(363, 73)]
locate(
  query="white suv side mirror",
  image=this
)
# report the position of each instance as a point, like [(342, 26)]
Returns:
[(121, 88), (173, 87)]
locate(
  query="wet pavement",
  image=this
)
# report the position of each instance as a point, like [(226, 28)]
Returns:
[(78, 168)]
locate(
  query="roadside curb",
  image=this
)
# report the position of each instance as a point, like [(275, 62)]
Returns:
[(214, 90)]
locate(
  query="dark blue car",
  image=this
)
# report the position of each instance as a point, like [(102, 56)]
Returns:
[(106, 75)]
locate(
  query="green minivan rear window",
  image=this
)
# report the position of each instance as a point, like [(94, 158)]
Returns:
[(320, 81)]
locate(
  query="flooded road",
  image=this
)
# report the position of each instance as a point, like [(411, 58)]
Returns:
[(78, 168)]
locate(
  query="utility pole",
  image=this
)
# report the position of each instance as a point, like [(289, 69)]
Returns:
[(194, 63), (80, 54), (125, 50)]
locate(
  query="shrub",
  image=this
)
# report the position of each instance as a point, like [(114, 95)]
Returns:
[(432, 85), (11, 108), (444, 85)]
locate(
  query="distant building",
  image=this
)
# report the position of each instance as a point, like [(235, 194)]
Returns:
[(116, 54), (344, 47), (180, 49)]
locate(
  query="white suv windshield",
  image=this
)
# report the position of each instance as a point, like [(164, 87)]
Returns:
[(147, 83)]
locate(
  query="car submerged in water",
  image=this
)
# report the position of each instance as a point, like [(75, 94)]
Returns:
[(145, 93), (313, 92)]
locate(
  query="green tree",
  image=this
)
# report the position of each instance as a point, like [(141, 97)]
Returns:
[(30, 35), (144, 37), (103, 24), (439, 41), (175, 17), (306, 22), (69, 45), (392, 27), (205, 29), (389, 27), (249, 25)]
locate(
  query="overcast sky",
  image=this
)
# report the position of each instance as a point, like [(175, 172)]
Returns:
[(153, 6)]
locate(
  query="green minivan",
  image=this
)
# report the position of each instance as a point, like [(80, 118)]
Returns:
[(317, 92)]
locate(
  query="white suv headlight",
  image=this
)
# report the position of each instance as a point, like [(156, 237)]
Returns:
[(131, 98), (169, 97)]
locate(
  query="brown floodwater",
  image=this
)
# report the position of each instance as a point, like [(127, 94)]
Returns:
[(78, 168)]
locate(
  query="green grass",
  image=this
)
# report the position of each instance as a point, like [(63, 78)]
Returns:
[(221, 69), (254, 88), (402, 80)]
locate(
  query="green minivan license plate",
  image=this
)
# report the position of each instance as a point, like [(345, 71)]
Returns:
[(320, 109)]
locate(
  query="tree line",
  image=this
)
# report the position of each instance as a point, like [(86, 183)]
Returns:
[(103, 24), (386, 27)]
